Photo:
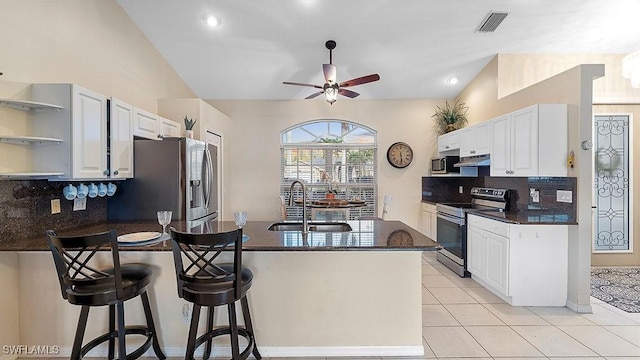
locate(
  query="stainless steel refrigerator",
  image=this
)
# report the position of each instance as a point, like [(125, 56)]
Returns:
[(177, 174)]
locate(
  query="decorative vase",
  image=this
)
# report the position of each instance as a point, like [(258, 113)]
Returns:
[(188, 133), (450, 128)]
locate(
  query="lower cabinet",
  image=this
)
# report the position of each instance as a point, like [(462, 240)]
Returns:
[(428, 220), (526, 265), (488, 257)]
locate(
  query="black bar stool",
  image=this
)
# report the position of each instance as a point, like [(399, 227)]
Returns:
[(83, 283), (204, 282)]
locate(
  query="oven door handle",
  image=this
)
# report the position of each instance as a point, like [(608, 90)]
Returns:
[(453, 219)]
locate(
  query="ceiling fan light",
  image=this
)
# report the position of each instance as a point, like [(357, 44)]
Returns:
[(331, 94), (631, 68), (213, 21)]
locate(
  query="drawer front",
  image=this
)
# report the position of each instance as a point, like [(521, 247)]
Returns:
[(497, 227), (493, 226)]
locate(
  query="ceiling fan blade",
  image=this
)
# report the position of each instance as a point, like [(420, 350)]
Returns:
[(348, 93), (360, 80), (329, 71), (301, 84), (314, 95)]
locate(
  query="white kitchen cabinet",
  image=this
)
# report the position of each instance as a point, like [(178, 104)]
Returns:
[(145, 124), (449, 141), (475, 241), (82, 124), (121, 117), (475, 140), (530, 142), (168, 128), (151, 126), (496, 253), (428, 220), (526, 265)]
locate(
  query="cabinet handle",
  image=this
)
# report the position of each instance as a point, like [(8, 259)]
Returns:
[(446, 147), (115, 172), (106, 172), (473, 152), (160, 136), (506, 171)]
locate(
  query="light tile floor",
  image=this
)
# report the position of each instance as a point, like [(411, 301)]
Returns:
[(461, 319)]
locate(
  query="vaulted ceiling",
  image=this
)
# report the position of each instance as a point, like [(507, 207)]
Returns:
[(415, 46)]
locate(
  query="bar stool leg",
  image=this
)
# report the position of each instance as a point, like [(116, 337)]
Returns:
[(193, 332), (249, 325), (151, 326), (207, 350), (112, 328), (82, 325), (233, 323), (122, 345)]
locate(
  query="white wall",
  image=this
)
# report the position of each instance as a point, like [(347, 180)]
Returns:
[(92, 43), (254, 154)]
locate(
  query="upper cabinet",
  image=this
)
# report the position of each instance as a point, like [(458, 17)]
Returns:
[(145, 124), (151, 126), (121, 117), (168, 128), (83, 125), (98, 143), (530, 142), (475, 140), (449, 141)]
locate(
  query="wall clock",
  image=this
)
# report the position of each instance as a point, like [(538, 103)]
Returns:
[(400, 155)]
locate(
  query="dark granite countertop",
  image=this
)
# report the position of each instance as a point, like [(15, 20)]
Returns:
[(526, 217), (530, 217), (366, 235)]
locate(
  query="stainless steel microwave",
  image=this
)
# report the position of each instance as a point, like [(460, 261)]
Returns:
[(444, 165)]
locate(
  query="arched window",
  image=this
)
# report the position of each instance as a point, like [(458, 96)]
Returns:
[(331, 155)]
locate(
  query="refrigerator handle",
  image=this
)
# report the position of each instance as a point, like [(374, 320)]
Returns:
[(210, 174)]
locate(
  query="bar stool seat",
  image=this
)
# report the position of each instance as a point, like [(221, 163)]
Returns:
[(83, 283), (216, 293), (204, 282)]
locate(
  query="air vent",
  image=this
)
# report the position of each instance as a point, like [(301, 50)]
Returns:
[(492, 21)]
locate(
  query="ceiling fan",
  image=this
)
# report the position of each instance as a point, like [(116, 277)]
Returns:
[(331, 88)]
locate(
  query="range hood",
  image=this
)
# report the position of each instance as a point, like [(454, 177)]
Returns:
[(474, 161)]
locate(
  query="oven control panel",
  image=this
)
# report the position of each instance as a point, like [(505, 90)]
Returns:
[(489, 193)]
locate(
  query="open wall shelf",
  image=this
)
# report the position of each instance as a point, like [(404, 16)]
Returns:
[(26, 105)]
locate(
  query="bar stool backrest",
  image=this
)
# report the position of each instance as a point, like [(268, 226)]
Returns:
[(77, 266), (196, 255)]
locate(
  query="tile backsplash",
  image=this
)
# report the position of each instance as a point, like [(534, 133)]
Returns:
[(445, 189), (25, 209)]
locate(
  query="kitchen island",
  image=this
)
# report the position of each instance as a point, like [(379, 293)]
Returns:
[(354, 293)]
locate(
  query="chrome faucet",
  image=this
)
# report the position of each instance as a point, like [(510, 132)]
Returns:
[(304, 203)]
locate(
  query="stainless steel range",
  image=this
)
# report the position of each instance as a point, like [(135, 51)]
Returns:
[(452, 225)]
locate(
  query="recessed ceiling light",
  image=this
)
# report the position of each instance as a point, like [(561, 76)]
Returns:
[(452, 80), (213, 21)]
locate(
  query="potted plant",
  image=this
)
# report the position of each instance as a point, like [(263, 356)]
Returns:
[(188, 126), (450, 117)]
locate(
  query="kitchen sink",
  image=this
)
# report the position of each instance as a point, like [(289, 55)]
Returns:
[(311, 226)]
